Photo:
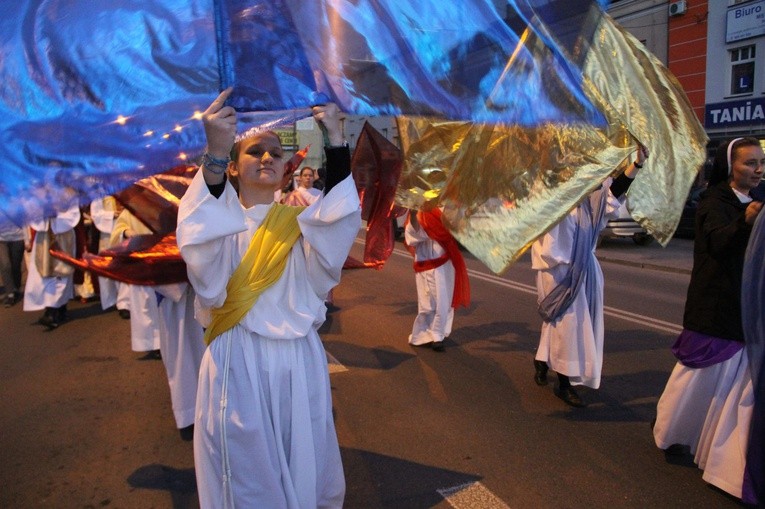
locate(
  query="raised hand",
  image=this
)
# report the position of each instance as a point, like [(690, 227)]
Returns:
[(328, 116), (220, 126)]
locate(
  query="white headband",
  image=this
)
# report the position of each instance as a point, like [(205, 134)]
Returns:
[(730, 151)]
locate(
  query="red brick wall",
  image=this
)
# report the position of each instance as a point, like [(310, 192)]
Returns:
[(687, 52)]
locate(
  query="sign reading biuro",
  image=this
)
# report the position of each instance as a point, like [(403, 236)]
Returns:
[(745, 21), (735, 113)]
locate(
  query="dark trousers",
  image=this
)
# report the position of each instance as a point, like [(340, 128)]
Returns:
[(11, 259)]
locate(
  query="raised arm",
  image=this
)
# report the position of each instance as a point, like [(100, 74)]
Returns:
[(219, 122)]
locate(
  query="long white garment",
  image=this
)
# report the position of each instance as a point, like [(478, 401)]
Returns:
[(182, 345), (143, 305), (41, 292), (435, 289), (102, 212), (273, 444), (572, 345), (709, 410)]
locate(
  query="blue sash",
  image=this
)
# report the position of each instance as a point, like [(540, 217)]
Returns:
[(582, 262)]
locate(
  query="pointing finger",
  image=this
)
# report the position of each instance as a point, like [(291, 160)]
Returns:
[(219, 101)]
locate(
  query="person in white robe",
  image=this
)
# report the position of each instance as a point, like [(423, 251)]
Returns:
[(143, 305), (182, 345), (304, 194), (435, 289), (103, 213), (50, 284), (570, 290), (264, 434)]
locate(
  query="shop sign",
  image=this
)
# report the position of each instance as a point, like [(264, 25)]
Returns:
[(735, 113), (745, 21)]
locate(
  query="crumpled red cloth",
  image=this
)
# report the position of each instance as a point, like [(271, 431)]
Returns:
[(431, 222)]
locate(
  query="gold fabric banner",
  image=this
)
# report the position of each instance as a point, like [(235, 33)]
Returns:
[(503, 186)]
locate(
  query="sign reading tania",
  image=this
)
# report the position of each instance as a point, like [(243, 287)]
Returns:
[(735, 113), (745, 21)]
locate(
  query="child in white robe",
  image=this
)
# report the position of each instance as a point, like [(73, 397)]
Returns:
[(143, 305), (435, 289), (50, 292), (571, 341), (264, 433)]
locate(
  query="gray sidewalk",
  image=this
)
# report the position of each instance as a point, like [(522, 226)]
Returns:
[(676, 257)]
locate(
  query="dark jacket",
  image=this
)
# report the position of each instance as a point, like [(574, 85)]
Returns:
[(713, 305)]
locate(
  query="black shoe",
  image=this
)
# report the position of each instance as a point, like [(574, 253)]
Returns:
[(438, 346), (48, 321), (9, 300), (676, 450), (151, 355), (540, 375), (187, 433), (124, 314), (570, 397)]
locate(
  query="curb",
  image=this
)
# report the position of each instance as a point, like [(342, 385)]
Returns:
[(644, 265)]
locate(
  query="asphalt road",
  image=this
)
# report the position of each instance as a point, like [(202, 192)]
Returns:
[(86, 423)]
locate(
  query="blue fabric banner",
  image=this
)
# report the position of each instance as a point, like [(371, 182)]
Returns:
[(99, 94)]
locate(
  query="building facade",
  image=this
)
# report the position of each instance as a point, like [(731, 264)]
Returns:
[(735, 83)]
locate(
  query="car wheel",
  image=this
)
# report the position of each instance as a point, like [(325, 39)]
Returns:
[(642, 239)]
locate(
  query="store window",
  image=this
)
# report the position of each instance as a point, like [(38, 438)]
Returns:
[(742, 70)]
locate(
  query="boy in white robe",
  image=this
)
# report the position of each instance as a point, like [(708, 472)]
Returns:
[(264, 433), (182, 346), (143, 305), (103, 212), (51, 291), (571, 341), (435, 287)]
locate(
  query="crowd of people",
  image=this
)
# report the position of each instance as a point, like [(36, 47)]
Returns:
[(248, 374)]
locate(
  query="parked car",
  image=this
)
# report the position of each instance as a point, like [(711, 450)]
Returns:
[(625, 226), (685, 228)]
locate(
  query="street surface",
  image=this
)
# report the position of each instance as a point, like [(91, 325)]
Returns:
[(86, 423)]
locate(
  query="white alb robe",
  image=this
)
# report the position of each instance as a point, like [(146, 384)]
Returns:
[(572, 345), (51, 292), (435, 290), (276, 433), (710, 410), (182, 345), (102, 213), (144, 309)]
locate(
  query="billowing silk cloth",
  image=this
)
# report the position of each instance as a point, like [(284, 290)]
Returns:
[(98, 95), (543, 83)]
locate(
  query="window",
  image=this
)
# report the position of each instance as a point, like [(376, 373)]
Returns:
[(742, 70)]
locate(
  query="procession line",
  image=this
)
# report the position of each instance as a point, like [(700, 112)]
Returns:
[(472, 495), (628, 316)]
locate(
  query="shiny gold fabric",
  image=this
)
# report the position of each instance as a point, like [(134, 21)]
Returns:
[(503, 186)]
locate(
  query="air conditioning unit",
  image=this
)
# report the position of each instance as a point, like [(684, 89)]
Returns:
[(677, 8)]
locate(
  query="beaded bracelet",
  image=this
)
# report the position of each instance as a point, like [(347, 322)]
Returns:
[(209, 161)]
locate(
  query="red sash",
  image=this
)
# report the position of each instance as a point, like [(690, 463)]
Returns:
[(434, 227)]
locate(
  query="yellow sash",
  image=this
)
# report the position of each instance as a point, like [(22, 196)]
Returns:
[(262, 265)]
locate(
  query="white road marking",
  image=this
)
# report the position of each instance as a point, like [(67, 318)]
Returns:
[(472, 495), (628, 316), (334, 365)]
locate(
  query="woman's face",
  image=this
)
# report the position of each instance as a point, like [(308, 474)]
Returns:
[(747, 167), (261, 161), (306, 178)]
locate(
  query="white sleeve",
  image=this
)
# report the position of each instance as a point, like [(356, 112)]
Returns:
[(65, 221), (206, 235), (329, 227)]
